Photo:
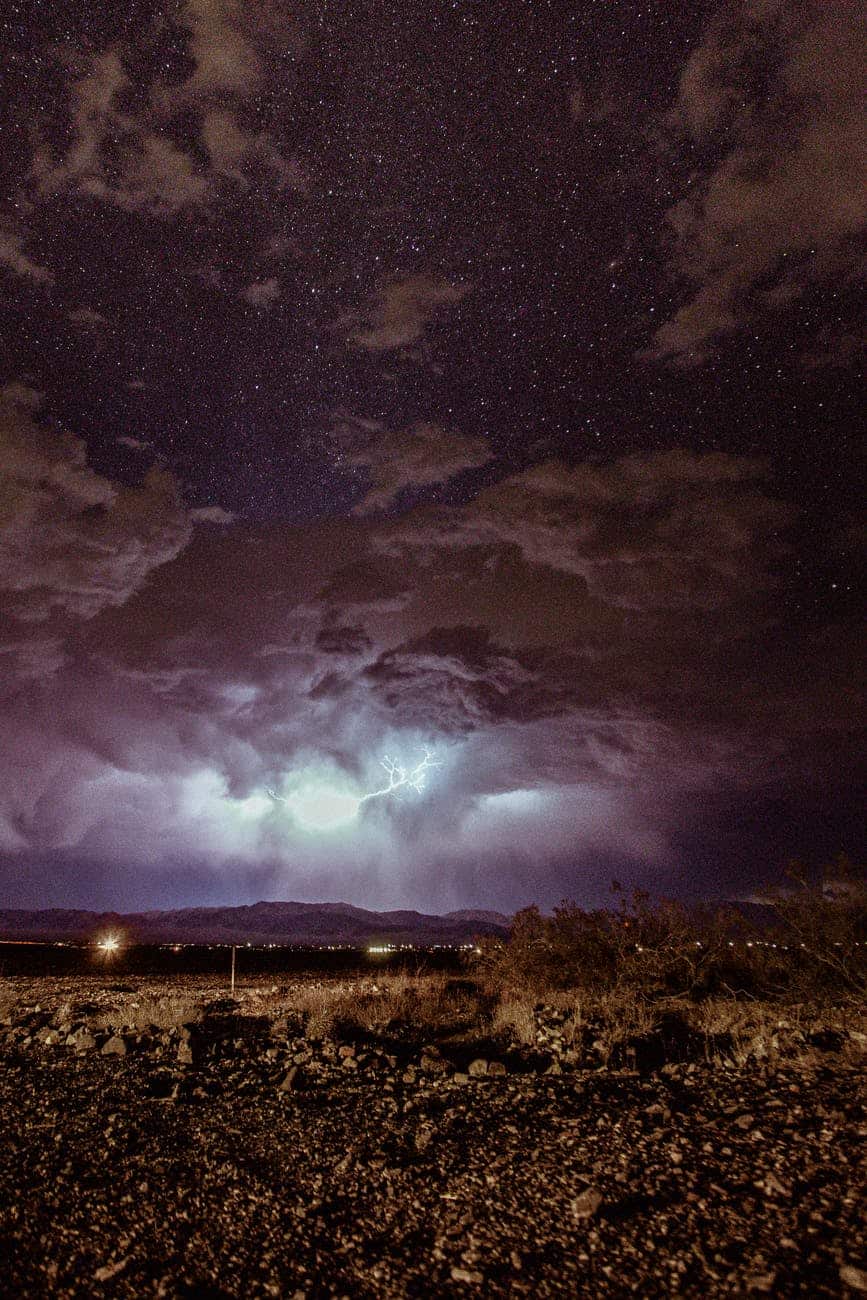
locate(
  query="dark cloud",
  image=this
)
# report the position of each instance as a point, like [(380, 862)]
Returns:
[(661, 530)]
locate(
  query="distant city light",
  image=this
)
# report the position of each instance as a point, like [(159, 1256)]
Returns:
[(109, 943)]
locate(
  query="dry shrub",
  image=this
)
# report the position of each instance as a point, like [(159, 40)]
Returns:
[(823, 922), (514, 1017), (818, 948), (157, 1010)]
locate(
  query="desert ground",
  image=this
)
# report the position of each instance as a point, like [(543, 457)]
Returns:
[(413, 1137)]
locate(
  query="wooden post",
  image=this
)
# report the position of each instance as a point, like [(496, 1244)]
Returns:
[(233, 968)]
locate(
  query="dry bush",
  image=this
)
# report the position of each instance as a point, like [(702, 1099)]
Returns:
[(665, 949), (823, 923), (620, 1016), (514, 1017)]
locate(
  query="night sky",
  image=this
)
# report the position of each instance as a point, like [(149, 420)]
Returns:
[(471, 387)]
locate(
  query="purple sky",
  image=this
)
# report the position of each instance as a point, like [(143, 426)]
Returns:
[(384, 382)]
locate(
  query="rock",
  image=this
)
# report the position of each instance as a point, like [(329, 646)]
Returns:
[(587, 1204), (774, 1186), (432, 1061), (109, 1271), (291, 1080), (466, 1275), (81, 1039), (745, 1122), (496, 1068), (423, 1136), (346, 1051), (114, 1046), (856, 1278), (185, 1053), (478, 1068), (460, 1077), (760, 1281)]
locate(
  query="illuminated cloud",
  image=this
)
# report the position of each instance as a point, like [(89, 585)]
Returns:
[(401, 310), (123, 148), (395, 460), (72, 540), (14, 255), (771, 94), (657, 530)]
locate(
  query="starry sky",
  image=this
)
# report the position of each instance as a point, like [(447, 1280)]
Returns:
[(383, 381)]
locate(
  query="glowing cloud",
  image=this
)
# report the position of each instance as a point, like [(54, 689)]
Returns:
[(321, 807), (324, 806)]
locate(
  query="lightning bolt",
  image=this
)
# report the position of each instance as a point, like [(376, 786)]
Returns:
[(399, 776), (413, 778)]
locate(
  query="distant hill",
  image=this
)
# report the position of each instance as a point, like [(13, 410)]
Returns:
[(282, 923)]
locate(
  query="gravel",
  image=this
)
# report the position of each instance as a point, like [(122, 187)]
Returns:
[(241, 1162)]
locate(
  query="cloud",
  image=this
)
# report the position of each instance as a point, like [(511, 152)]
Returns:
[(225, 57), (261, 292), (87, 318), (395, 460), (21, 395), (771, 96), (401, 310), (660, 530), (580, 716), (72, 540), (212, 515), (125, 148), (14, 255)]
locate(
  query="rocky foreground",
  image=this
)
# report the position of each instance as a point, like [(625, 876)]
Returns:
[(235, 1158)]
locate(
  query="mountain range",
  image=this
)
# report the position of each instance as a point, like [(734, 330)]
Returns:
[(259, 923)]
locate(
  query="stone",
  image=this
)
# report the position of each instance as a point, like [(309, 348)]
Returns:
[(587, 1204), (432, 1062), (856, 1278), (114, 1046), (466, 1275), (763, 1282), (290, 1081), (185, 1053), (497, 1068), (477, 1068), (81, 1039)]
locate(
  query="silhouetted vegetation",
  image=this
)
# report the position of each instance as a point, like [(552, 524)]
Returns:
[(812, 942)]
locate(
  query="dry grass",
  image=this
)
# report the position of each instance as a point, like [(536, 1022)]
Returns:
[(514, 1017), (436, 1007)]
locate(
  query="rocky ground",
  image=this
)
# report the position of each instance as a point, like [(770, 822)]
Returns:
[(236, 1157)]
